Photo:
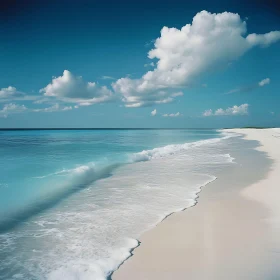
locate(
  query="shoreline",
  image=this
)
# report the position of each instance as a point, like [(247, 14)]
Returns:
[(158, 241), (110, 276)]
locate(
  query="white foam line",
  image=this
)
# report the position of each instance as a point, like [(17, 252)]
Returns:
[(213, 178)]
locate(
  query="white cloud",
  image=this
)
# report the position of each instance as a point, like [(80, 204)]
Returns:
[(251, 87), (264, 82), (152, 64), (231, 111), (42, 100), (74, 89), (208, 113), (175, 94), (108, 78), (55, 108), (11, 108), (183, 54), (138, 100), (154, 112), (11, 93), (67, 108), (172, 115), (263, 40)]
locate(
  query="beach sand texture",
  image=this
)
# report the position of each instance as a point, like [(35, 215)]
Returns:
[(233, 231)]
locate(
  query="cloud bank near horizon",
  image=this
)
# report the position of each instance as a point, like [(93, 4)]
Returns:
[(231, 111)]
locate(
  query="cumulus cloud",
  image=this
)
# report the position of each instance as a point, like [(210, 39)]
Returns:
[(11, 93), (208, 113), (12, 108), (154, 112), (231, 111), (264, 82), (74, 89), (172, 115), (183, 54)]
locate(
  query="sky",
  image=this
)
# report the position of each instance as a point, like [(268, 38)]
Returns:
[(138, 64)]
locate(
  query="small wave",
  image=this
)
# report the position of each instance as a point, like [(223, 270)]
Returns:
[(79, 178), (80, 169), (63, 171), (146, 155)]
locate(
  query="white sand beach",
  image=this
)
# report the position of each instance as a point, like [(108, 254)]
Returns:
[(233, 231)]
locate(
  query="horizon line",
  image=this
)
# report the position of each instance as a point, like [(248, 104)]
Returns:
[(126, 128)]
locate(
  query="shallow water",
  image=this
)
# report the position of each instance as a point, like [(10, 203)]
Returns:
[(73, 203)]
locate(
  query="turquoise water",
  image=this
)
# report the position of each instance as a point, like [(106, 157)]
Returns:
[(60, 187)]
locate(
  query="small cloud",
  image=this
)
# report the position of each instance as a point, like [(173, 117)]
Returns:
[(11, 94), (108, 78), (208, 113), (50, 109), (147, 44), (55, 108), (11, 108), (272, 113), (231, 111), (264, 82), (152, 64), (67, 108), (249, 88), (154, 112), (175, 94), (172, 115), (242, 89)]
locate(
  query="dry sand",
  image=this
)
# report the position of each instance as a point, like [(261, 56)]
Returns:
[(233, 231)]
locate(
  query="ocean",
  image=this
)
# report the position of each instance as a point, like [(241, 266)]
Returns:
[(74, 202)]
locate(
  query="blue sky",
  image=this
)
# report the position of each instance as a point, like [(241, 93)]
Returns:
[(139, 64)]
